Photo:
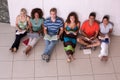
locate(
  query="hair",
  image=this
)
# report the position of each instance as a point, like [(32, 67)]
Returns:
[(106, 17), (37, 10), (53, 10), (72, 14), (93, 14), (23, 10)]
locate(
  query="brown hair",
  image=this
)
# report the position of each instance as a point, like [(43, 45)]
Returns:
[(53, 10), (37, 10), (72, 14)]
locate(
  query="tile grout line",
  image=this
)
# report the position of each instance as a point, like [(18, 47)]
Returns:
[(105, 73), (70, 71), (114, 68), (56, 64), (12, 66), (93, 75), (34, 63)]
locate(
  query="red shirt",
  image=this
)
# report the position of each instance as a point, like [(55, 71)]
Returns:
[(90, 30)]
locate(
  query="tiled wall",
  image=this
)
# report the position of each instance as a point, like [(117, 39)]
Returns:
[(4, 14)]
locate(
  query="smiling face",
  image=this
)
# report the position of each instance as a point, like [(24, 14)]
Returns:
[(36, 15), (72, 19), (105, 21), (91, 19), (53, 14), (22, 13)]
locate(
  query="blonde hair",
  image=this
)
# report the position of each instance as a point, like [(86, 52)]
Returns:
[(23, 10)]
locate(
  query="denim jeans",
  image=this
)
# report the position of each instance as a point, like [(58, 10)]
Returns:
[(49, 46)]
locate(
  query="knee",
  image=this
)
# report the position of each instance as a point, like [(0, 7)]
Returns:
[(77, 39), (54, 43)]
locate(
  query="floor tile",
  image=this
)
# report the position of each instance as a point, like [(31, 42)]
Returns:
[(43, 69), (6, 79), (21, 56), (6, 40), (100, 67), (105, 77), (87, 77), (64, 78), (114, 46), (116, 62), (5, 54), (47, 78), (23, 79), (118, 76), (18, 66), (114, 51), (63, 67), (80, 67), (95, 53), (23, 69), (5, 69)]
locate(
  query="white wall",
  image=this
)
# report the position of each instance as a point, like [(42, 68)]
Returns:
[(82, 7)]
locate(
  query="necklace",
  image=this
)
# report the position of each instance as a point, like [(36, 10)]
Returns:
[(36, 21)]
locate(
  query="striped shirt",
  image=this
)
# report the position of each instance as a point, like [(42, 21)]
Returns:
[(53, 27)]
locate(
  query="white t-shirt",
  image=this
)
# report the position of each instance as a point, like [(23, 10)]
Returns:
[(105, 29)]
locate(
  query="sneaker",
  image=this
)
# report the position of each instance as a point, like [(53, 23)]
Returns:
[(43, 56), (47, 58), (83, 47)]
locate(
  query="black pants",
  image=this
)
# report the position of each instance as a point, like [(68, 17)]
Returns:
[(17, 40)]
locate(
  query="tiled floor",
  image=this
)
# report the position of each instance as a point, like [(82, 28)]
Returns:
[(86, 67)]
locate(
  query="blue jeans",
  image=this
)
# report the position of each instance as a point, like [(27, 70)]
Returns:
[(49, 46)]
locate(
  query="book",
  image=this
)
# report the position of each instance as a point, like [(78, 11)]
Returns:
[(22, 32), (50, 38), (87, 51), (105, 39)]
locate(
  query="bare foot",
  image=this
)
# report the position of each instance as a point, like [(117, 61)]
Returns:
[(25, 52), (104, 58), (72, 58), (68, 60), (14, 49)]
